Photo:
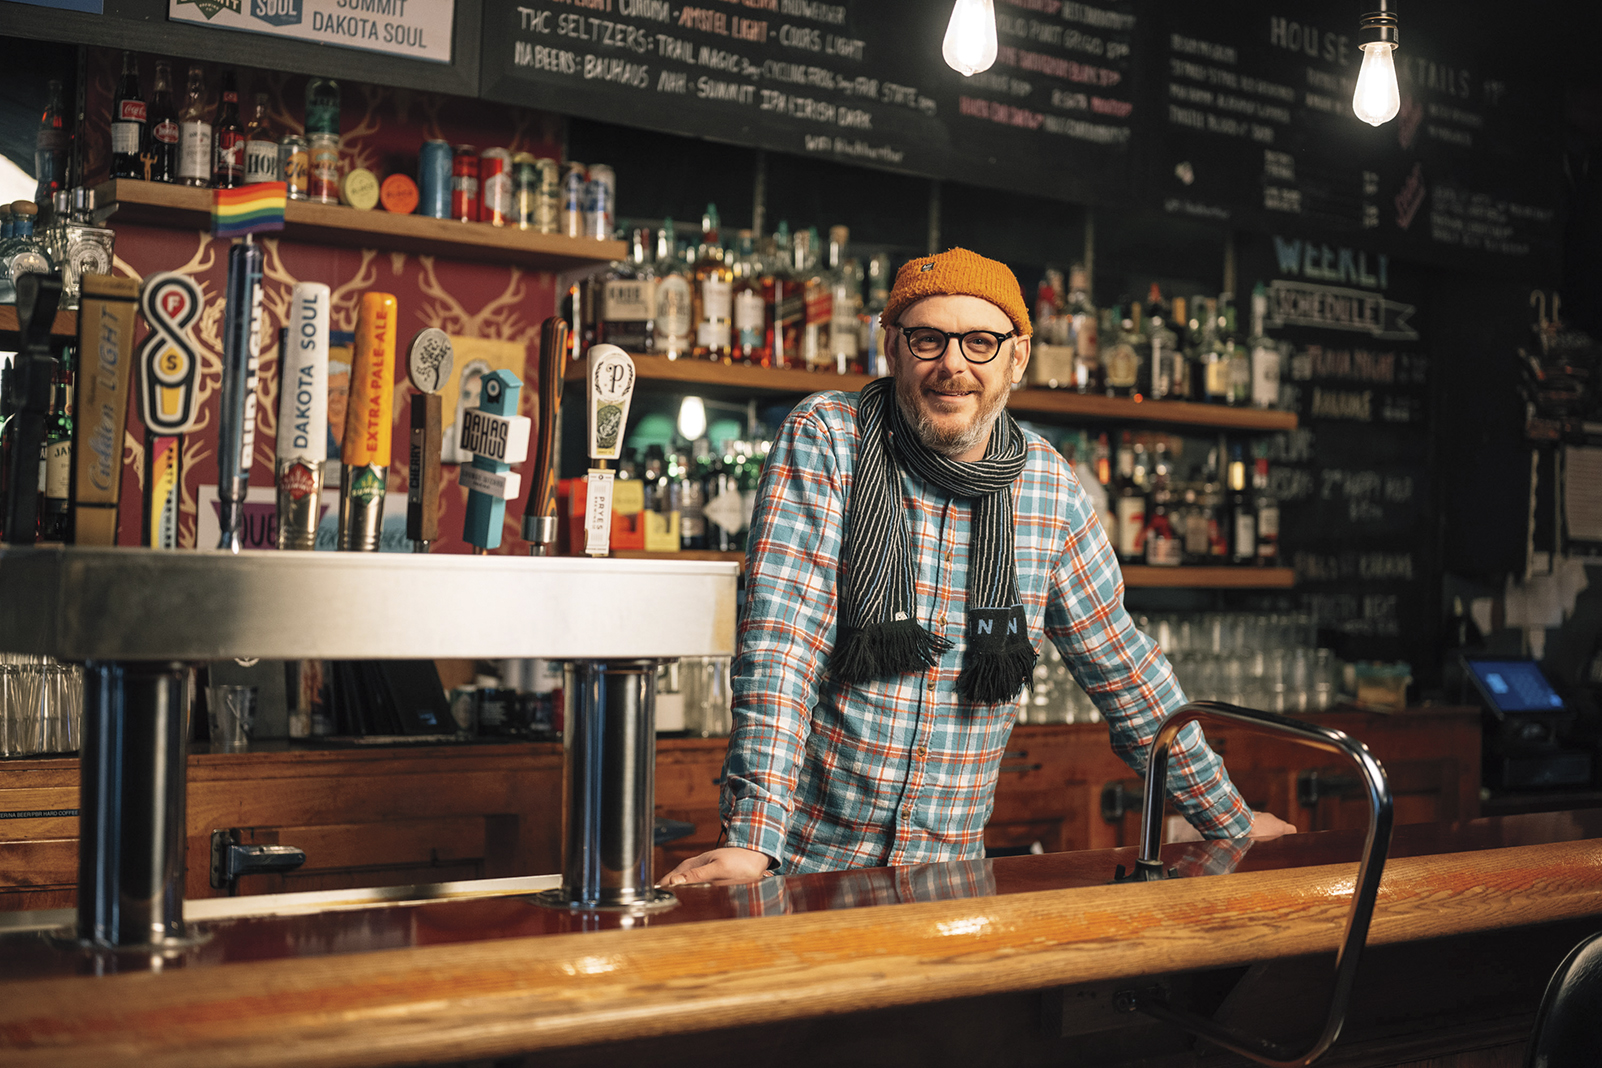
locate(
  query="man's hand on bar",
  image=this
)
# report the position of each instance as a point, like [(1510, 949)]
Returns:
[(1267, 825), (721, 867)]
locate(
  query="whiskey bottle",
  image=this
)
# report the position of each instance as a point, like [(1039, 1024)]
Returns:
[(674, 312), (55, 511), (1166, 358), (52, 146), (784, 294), (1266, 357), (1084, 327), (845, 303), (1242, 511), (818, 298), (228, 139), (194, 134), (1122, 359), (750, 310), (261, 147), (713, 294), (161, 146), (628, 299), (1267, 507), (129, 121), (1238, 364), (1129, 509), (1213, 370), (875, 360), (692, 500)]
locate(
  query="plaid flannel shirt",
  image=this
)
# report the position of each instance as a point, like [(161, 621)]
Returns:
[(823, 775)]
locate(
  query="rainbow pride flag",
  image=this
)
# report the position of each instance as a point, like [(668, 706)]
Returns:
[(249, 209)]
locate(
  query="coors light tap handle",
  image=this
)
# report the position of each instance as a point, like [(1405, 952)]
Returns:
[(365, 451), (236, 422), (539, 512), (428, 366), (611, 388), (303, 417)]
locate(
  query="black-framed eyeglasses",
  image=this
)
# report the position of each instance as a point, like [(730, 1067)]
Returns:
[(978, 346)]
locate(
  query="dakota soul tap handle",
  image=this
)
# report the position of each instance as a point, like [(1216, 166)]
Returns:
[(539, 513), (37, 299), (302, 446)]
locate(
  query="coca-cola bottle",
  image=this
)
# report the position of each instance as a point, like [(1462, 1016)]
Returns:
[(228, 139), (129, 120), (162, 143)]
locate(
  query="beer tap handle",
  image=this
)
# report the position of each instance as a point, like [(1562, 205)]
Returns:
[(611, 389), (497, 437), (168, 393), (539, 513), (365, 447), (37, 299), (428, 364), (300, 459)]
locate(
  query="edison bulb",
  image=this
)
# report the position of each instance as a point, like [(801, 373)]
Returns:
[(970, 44), (1377, 99), (692, 418)]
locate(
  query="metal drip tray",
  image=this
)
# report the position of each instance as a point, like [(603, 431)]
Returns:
[(142, 604)]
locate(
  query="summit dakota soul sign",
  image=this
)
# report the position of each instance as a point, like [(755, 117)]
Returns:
[(416, 29)]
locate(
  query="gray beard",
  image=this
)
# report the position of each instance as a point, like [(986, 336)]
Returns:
[(943, 441)]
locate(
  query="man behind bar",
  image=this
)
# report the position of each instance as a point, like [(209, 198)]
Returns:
[(910, 544)]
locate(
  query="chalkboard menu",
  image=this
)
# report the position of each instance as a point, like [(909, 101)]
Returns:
[(1354, 480), (857, 81), (1249, 123)]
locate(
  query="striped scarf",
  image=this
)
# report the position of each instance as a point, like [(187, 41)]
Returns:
[(878, 635)]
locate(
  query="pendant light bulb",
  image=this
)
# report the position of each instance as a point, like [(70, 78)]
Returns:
[(970, 44), (1377, 99), (692, 419)]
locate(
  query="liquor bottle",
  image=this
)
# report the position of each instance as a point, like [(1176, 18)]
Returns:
[(1167, 373), (784, 294), (1267, 508), (129, 122), (1265, 355), (55, 511), (1237, 363), (750, 310), (51, 149), (1195, 522), (819, 298), (713, 295), (1084, 327), (194, 134), (322, 107), (228, 139), (725, 508), (1122, 358), (1213, 369), (628, 299), (1165, 545), (1242, 511), (1048, 306), (845, 303), (692, 501), (24, 253), (161, 146), (661, 503), (1129, 511), (675, 321), (875, 360), (1180, 325), (261, 147)]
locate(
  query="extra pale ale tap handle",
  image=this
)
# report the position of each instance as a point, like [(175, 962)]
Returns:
[(539, 513), (365, 448)]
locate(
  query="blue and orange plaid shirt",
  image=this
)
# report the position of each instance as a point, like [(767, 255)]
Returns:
[(823, 775)]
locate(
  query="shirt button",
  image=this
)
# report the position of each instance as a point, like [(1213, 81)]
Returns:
[(923, 750), (906, 813)]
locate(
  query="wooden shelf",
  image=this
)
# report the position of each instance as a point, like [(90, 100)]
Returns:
[(160, 204), (1139, 576), (740, 380), (1136, 576), (66, 324)]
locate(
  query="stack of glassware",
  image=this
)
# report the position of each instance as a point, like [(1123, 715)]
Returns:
[(1256, 660), (41, 705)]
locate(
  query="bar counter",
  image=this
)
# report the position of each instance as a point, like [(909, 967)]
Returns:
[(1477, 913)]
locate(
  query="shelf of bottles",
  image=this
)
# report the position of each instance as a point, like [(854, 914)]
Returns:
[(66, 324), (161, 204)]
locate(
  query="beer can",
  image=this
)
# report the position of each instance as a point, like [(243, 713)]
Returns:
[(323, 168), (434, 179), (573, 189), (464, 184), (600, 202), (495, 186), (525, 189), (294, 164), (548, 202)]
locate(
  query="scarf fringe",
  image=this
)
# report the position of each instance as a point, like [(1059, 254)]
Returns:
[(998, 675), (882, 649)]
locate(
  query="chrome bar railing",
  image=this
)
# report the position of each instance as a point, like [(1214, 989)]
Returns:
[(1370, 868)]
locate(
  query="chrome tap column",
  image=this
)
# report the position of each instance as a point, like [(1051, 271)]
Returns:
[(609, 747)]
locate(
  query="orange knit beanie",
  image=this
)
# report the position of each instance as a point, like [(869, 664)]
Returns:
[(958, 272)]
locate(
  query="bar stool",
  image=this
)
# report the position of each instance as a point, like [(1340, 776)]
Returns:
[(1566, 1033)]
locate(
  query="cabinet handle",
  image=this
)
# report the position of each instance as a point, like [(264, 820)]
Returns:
[(1019, 768)]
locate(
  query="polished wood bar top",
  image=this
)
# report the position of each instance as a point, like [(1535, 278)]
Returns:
[(481, 977)]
